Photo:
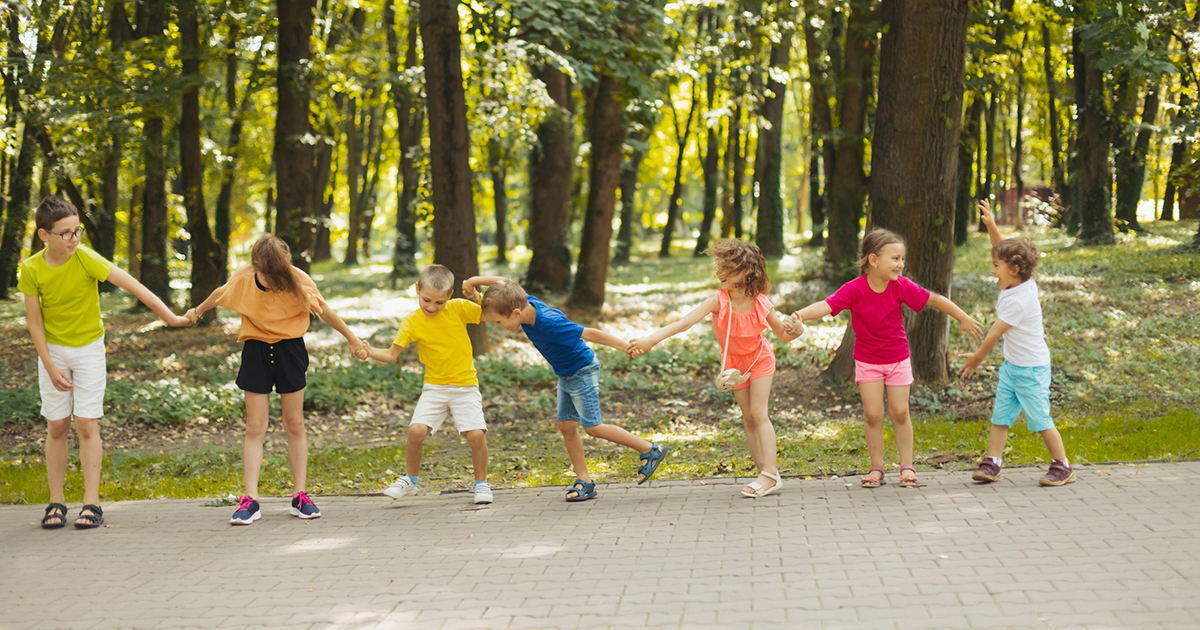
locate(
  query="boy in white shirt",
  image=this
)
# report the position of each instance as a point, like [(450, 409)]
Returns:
[(1025, 374)]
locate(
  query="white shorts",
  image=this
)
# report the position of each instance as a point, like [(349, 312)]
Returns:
[(464, 404), (87, 369)]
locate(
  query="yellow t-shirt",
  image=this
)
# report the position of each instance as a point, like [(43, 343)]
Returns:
[(442, 342), (68, 295)]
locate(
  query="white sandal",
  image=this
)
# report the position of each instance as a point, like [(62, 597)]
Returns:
[(756, 489)]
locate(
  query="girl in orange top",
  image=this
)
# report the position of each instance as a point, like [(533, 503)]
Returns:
[(741, 312), (274, 299)]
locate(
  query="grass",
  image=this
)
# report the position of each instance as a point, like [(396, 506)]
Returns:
[(1122, 324)]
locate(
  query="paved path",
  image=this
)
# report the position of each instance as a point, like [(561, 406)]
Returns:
[(1116, 550)]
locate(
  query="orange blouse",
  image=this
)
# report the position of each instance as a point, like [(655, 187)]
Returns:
[(270, 316)]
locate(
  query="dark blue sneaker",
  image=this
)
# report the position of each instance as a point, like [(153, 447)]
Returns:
[(303, 506), (247, 512)]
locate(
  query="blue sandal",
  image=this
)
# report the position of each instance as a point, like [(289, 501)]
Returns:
[(583, 490), (650, 461)]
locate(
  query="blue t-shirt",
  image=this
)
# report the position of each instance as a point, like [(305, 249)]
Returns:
[(559, 339)]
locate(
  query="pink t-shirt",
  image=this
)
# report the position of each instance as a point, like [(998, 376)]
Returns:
[(877, 318)]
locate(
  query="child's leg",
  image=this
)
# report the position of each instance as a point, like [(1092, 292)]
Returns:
[(297, 439), (872, 400), (570, 432), (760, 433), (477, 440), (618, 435), (56, 457), (258, 406), (91, 457), (999, 437), (1054, 443), (413, 446), (897, 404)]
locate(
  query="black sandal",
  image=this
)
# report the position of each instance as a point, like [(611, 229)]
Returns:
[(94, 520), (55, 510)]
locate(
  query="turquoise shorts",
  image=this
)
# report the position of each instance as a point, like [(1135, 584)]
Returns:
[(1025, 388)]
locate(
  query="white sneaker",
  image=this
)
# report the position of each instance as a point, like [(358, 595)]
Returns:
[(401, 488), (483, 493)]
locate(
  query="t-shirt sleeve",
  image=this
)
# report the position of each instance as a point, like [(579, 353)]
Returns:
[(1011, 312), (94, 264), (843, 299), (27, 280), (912, 294), (316, 303), (404, 335), (234, 294), (468, 311)]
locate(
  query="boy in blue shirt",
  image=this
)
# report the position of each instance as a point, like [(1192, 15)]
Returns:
[(562, 343)]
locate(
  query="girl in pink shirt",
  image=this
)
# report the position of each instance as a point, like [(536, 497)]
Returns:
[(881, 358), (741, 312)]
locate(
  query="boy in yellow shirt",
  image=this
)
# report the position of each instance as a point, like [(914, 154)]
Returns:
[(62, 308), (451, 388)]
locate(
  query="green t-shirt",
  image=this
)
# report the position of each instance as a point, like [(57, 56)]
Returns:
[(69, 295)]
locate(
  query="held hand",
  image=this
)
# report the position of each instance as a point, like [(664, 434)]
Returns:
[(985, 212), (971, 367), (179, 321), (638, 347), (362, 352), (192, 316), (971, 327), (793, 326), (61, 381), (469, 291)]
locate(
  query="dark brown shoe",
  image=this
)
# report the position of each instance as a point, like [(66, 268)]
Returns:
[(1059, 474), (988, 471)]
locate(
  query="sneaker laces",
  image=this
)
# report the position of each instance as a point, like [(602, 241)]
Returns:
[(302, 496), (244, 504)]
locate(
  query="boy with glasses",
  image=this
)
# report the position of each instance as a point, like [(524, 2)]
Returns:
[(62, 308)]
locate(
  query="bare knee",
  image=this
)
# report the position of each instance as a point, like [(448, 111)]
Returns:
[(873, 420), (87, 429), (569, 429), (899, 416), (476, 438), (256, 430), (593, 431), (293, 426), (57, 429), (755, 418)]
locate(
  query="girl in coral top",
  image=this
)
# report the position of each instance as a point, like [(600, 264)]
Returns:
[(741, 312), (881, 357), (274, 299)]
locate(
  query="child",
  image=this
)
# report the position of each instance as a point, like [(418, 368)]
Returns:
[(1025, 373), (881, 356), (741, 312), (439, 328), (274, 299), (62, 309), (562, 344)]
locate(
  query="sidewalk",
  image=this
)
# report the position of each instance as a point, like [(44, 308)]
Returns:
[(1118, 549)]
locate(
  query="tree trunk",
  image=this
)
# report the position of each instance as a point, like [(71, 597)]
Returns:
[(155, 219), (914, 156), (454, 239), (208, 259), (1178, 151), (353, 156), (1060, 179), (20, 192), (410, 121), (769, 172), (1018, 144), (237, 112), (822, 127), (606, 132), (733, 226), (712, 173), (133, 234), (630, 217), (681, 140), (499, 199), (967, 146), (1131, 165), (1092, 194), (293, 154), (551, 164), (990, 159)]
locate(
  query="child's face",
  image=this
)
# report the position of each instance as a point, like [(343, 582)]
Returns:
[(889, 261), (730, 278), (431, 301), (510, 322), (1008, 275), (63, 237)]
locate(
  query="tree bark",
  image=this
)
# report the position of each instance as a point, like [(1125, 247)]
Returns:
[(20, 192), (353, 156), (208, 258), (293, 151), (822, 127), (454, 239), (1131, 165), (498, 173), (738, 143), (914, 155), (606, 132), (409, 123), (769, 172), (712, 173), (681, 140), (1060, 179), (551, 164), (630, 217), (1092, 195)]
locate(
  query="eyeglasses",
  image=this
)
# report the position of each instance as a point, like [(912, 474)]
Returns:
[(69, 235)]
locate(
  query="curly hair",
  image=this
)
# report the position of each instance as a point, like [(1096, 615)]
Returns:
[(733, 256), (1019, 253), (873, 243), (503, 297)]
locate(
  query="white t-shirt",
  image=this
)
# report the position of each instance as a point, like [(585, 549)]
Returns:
[(1024, 343)]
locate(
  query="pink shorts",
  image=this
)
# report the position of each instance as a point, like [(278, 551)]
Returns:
[(892, 374)]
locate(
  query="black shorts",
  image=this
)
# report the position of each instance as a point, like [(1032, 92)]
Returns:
[(280, 365)]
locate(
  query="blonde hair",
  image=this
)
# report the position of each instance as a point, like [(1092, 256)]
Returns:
[(503, 297), (272, 257), (437, 277), (733, 256), (1019, 253), (873, 243)]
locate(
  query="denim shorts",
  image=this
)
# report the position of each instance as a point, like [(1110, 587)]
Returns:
[(579, 396), (1025, 388)]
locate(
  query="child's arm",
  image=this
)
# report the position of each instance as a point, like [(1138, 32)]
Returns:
[(37, 330), (813, 311), (384, 356), (594, 335), (985, 215), (358, 348), (783, 330), (971, 367), (969, 326), (195, 312), (638, 347), (469, 290), (122, 279)]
